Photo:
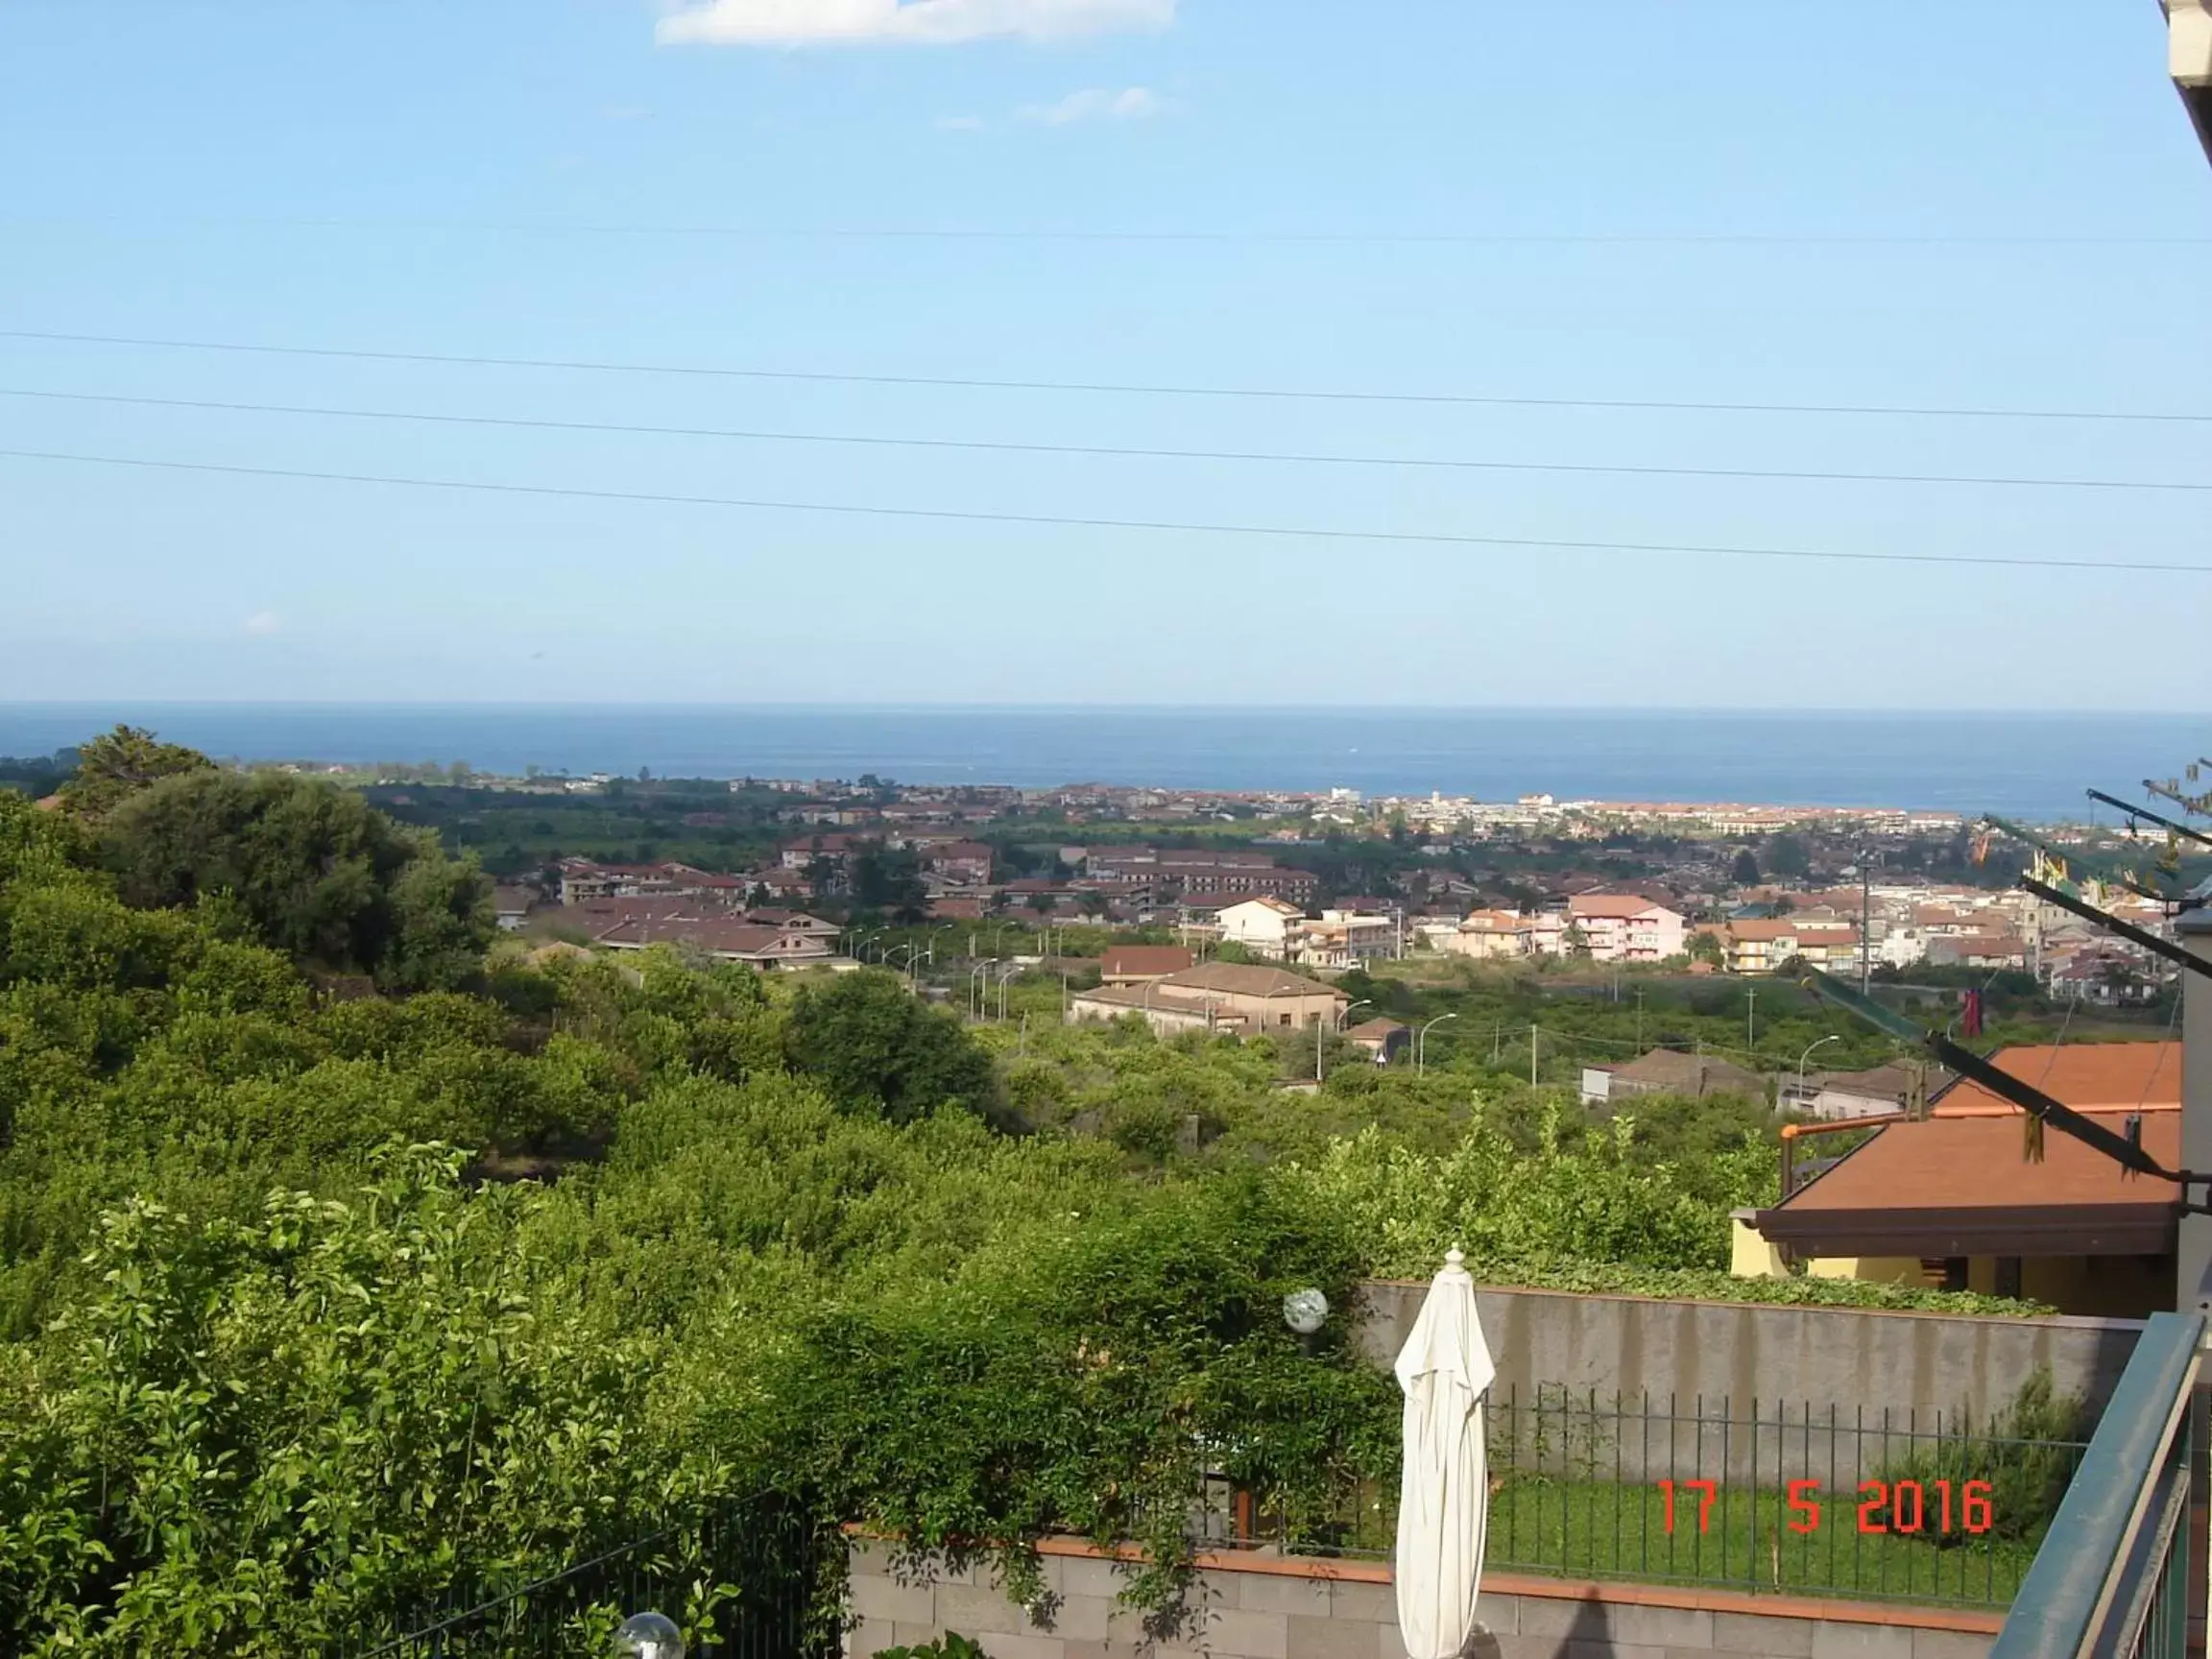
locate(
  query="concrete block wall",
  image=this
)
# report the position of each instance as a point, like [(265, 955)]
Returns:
[(1914, 1364), (1262, 1607)]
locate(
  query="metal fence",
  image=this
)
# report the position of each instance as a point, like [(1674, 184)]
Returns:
[(745, 1580), (2119, 1574), (1761, 1496)]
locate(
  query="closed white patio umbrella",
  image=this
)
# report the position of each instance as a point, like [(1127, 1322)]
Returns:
[(1444, 1497)]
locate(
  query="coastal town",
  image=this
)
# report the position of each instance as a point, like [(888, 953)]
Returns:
[(1714, 888)]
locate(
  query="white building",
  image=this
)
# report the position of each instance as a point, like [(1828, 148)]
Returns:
[(1266, 926)]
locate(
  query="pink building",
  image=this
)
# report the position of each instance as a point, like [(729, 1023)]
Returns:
[(1627, 927)]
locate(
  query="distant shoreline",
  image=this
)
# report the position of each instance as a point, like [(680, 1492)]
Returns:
[(2032, 766)]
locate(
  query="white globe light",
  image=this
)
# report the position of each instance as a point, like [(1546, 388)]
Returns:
[(1303, 1310), (648, 1636)]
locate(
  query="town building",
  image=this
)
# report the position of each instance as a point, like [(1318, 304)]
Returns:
[(1266, 926), (1763, 945), (1491, 935), (1342, 939), (1627, 926), (1142, 964), (510, 906), (583, 879), (725, 938), (963, 861), (1382, 1039), (1229, 998), (1666, 1072), (1880, 1091), (837, 849), (1958, 1200)]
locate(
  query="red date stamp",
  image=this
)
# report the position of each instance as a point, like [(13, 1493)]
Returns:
[(1912, 1507)]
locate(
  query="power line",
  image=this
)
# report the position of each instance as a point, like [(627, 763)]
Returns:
[(754, 435), (1429, 537), (1218, 237), (1115, 388)]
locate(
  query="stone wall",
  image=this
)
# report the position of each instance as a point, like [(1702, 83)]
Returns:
[(1253, 1606), (1849, 1357)]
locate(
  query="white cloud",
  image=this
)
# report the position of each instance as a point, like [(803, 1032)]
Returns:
[(1095, 104), (959, 123), (263, 623), (918, 22)]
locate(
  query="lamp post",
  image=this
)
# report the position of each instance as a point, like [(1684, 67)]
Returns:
[(1807, 1055), (1322, 1028), (912, 950), (1421, 1041), (648, 1636), (981, 967), (933, 932), (1005, 974), (1304, 1312)]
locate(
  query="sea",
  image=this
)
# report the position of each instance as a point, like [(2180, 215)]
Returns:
[(2026, 765)]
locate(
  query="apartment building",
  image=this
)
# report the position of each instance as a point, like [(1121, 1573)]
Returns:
[(1627, 927), (1343, 939)]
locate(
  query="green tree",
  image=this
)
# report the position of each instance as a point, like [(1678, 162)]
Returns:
[(1745, 872), (1705, 947), (323, 875), (116, 765), (1786, 856), (876, 1048)]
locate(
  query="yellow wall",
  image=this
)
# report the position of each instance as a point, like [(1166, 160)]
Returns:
[(1750, 1255), (2107, 1287), (1875, 1269)]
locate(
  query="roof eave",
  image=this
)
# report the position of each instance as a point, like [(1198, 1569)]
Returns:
[(2143, 1229)]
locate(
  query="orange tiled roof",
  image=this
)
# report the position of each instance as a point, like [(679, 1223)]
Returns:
[(2088, 1077)]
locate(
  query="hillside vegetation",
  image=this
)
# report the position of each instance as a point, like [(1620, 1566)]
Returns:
[(345, 1256)]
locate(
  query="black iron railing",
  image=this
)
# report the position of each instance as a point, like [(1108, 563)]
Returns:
[(746, 1580), (1760, 1494)]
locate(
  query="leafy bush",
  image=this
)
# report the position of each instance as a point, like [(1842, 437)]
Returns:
[(323, 875), (2026, 1453), (877, 1049), (949, 1646)]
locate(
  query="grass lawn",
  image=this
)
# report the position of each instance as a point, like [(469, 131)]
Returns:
[(1598, 1529)]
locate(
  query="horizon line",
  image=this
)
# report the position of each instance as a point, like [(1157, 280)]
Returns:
[(702, 705)]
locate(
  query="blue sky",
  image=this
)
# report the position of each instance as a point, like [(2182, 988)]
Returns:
[(1892, 203)]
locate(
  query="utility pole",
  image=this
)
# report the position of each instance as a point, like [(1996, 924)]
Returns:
[(1866, 919), (1751, 1016), (1531, 1054), (1638, 1019)]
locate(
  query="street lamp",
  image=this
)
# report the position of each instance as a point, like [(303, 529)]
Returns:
[(912, 950), (974, 1000), (1807, 1055), (1323, 1028), (1005, 974), (1421, 1041), (933, 932)]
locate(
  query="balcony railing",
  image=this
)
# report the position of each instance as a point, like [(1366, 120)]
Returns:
[(2118, 1574)]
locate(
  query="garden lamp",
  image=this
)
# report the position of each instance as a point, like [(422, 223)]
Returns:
[(648, 1636)]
